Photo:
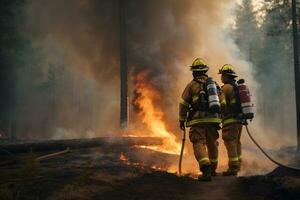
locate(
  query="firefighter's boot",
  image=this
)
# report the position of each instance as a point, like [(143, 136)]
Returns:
[(206, 173), (232, 170), (213, 172), (213, 167)]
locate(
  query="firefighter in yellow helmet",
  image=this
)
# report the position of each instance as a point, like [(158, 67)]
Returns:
[(204, 124), (231, 122)]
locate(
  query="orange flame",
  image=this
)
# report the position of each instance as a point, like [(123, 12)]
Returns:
[(123, 157), (152, 115)]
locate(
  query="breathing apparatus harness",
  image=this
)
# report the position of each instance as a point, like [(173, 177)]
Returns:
[(208, 97)]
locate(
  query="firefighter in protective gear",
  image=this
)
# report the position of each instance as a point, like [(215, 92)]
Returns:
[(203, 124), (231, 122)]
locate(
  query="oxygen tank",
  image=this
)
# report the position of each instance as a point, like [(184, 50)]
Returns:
[(245, 100), (213, 98)]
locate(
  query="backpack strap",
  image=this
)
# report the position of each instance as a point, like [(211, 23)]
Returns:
[(237, 96), (202, 104)]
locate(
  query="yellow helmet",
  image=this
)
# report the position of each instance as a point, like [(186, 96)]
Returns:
[(227, 69), (199, 65)]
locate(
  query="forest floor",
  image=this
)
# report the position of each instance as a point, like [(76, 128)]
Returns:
[(97, 173)]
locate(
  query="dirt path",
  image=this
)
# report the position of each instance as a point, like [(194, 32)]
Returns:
[(221, 188), (163, 186)]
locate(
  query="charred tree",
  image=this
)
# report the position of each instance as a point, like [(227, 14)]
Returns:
[(296, 64), (123, 67)]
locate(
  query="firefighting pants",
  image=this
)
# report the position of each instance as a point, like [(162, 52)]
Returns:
[(205, 144), (231, 134)]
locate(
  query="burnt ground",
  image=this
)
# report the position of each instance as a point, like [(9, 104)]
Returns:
[(280, 184), (98, 173)]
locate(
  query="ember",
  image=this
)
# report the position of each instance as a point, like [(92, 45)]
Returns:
[(123, 157)]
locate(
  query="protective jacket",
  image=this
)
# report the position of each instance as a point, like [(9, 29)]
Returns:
[(230, 104), (191, 98)]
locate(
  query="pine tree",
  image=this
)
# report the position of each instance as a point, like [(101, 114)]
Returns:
[(10, 59), (246, 31), (275, 68)]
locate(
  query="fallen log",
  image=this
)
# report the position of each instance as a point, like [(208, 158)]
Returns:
[(38, 159), (44, 157), (53, 145)]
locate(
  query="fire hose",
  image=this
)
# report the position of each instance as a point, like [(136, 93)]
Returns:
[(267, 155)]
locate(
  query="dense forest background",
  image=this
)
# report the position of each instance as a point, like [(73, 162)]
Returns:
[(265, 38), (32, 98)]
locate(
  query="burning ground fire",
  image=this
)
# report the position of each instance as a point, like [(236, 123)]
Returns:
[(152, 115), (156, 167), (151, 119)]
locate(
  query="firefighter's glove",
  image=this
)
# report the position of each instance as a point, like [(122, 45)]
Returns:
[(182, 125)]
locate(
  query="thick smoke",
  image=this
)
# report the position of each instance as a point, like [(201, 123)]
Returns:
[(80, 37), (163, 39)]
